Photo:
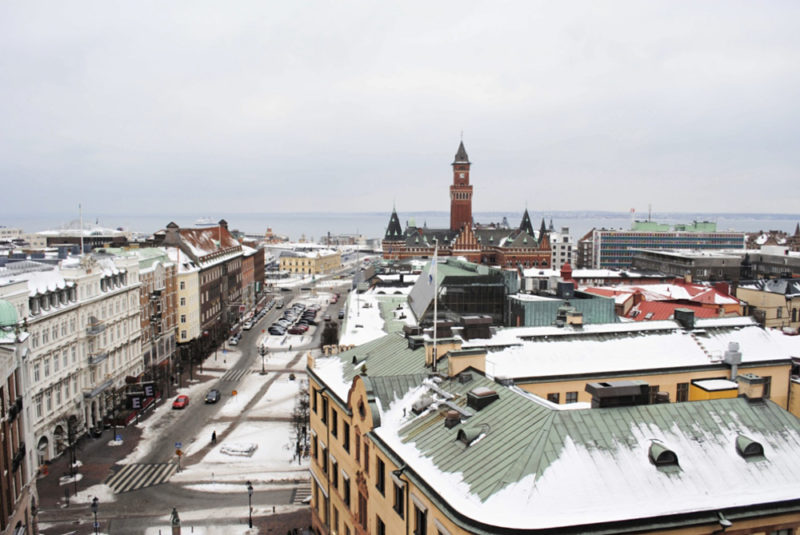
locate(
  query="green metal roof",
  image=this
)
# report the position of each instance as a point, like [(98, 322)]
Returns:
[(8, 314)]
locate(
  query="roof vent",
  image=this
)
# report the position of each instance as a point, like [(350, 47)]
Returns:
[(451, 419), (468, 435), (662, 456), (358, 360), (415, 342), (748, 448), (464, 377), (480, 397)]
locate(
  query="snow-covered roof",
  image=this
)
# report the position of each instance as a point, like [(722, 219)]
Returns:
[(551, 469), (530, 352)]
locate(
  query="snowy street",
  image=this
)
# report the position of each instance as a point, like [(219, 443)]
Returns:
[(247, 436)]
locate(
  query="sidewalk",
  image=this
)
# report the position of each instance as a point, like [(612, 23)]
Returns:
[(96, 458)]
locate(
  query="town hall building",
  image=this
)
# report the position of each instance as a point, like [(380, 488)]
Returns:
[(486, 244)]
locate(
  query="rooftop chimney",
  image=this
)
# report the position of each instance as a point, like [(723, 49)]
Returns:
[(685, 317), (751, 386), (619, 394)]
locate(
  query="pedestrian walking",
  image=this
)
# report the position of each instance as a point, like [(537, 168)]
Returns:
[(214, 437)]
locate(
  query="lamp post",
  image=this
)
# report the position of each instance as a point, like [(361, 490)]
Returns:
[(262, 351), (250, 503), (94, 510)]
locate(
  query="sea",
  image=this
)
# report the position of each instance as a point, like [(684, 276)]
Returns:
[(312, 226)]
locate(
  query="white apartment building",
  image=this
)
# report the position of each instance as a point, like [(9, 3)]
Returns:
[(84, 329), (562, 247)]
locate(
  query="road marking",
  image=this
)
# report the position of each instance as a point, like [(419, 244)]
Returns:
[(301, 493), (234, 375), (138, 476)]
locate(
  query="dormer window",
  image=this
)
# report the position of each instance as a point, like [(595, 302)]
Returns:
[(661, 456), (748, 448)]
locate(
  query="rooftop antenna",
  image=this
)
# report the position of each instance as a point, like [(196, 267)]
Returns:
[(434, 273), (649, 212), (80, 217)]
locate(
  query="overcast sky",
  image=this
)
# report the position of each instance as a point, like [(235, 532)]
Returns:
[(224, 107)]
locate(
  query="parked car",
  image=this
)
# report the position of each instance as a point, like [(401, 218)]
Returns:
[(296, 330), (212, 396), (276, 330), (233, 341), (326, 317), (247, 325), (181, 402), (341, 314)]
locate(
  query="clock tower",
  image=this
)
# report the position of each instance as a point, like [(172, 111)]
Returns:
[(461, 191)]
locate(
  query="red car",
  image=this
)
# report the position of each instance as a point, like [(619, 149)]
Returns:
[(180, 402)]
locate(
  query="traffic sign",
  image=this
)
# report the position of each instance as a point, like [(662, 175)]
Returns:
[(234, 393), (96, 525), (118, 437), (178, 445), (178, 453)]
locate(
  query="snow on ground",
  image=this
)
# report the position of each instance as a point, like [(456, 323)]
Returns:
[(284, 342), (223, 359), (203, 438), (271, 461), (279, 400), (234, 405), (102, 492)]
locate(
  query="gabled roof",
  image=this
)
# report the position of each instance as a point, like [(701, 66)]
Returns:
[(661, 310), (778, 286)]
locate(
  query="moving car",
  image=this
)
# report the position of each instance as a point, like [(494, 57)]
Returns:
[(212, 396), (247, 325), (181, 402)]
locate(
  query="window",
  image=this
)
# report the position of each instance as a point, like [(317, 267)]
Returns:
[(334, 422), (314, 400), (399, 500), (324, 460), (346, 436), (553, 397), (35, 372), (767, 387), (324, 410), (183, 318), (38, 406), (47, 367), (420, 520), (183, 285), (682, 392), (380, 475), (366, 457), (183, 301), (653, 392), (380, 527), (334, 473), (358, 447), (572, 397), (780, 312), (346, 490), (314, 447)]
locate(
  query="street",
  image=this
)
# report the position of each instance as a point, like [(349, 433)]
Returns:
[(209, 489)]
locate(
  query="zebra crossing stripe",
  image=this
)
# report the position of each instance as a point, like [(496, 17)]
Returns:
[(234, 375), (137, 476), (301, 493)]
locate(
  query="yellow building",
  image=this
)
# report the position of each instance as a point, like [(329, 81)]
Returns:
[(188, 296), (774, 303), (313, 262), (403, 445)]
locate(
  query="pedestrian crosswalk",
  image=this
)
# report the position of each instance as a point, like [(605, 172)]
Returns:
[(302, 494), (138, 476), (234, 375)]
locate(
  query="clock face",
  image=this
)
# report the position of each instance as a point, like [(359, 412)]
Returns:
[(460, 175)]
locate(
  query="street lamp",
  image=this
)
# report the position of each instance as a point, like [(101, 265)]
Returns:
[(249, 503), (262, 351), (94, 510)]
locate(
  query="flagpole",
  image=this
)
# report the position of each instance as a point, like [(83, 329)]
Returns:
[(434, 271)]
